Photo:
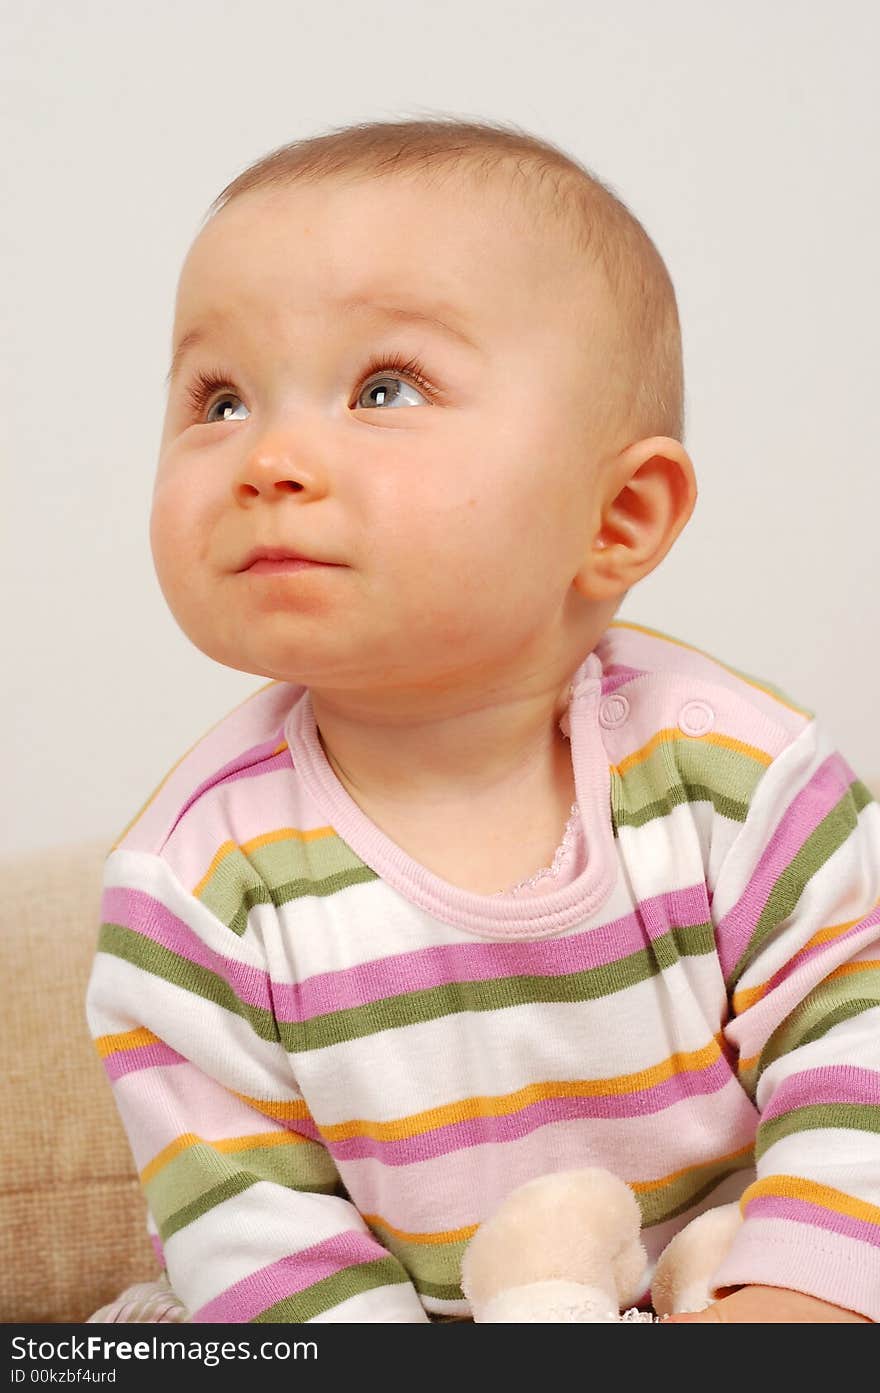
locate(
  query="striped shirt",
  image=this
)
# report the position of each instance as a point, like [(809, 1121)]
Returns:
[(332, 1065)]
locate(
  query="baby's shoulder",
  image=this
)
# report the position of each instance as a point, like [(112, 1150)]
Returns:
[(249, 737), (654, 684)]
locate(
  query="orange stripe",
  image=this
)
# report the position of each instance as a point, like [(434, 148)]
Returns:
[(289, 1110), (794, 1187), (847, 969), (463, 1234), (679, 643), (126, 1040), (280, 834), (228, 1146), (404, 1128), (747, 997), (168, 1153), (643, 1187), (427, 1239), (665, 737)]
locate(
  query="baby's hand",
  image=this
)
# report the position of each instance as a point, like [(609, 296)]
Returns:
[(768, 1306)]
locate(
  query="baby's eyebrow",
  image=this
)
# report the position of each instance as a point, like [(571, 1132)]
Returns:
[(410, 314), (402, 314)]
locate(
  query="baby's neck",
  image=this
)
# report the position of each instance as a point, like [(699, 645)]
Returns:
[(481, 801), (483, 752)]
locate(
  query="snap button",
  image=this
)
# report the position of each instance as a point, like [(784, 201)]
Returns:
[(613, 711), (696, 718)]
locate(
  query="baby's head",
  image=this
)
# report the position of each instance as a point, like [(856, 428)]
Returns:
[(443, 360)]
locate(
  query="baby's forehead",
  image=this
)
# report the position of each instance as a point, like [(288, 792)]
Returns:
[(475, 250)]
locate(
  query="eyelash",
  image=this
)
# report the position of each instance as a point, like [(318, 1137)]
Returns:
[(206, 384)]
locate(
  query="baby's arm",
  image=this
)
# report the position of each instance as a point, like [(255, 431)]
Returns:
[(797, 915), (243, 1193)]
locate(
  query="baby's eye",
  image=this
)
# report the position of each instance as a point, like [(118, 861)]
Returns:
[(223, 403), (387, 390), (203, 389)]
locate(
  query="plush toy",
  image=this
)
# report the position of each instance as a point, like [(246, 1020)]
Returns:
[(566, 1248)]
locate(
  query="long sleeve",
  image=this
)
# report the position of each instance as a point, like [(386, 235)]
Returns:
[(252, 1217), (797, 920)]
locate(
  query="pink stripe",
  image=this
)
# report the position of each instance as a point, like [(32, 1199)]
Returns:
[(464, 1185), (617, 675), (249, 726), (427, 968), (252, 809), (123, 1062), (823, 792), (146, 915), (407, 972), (840, 1083), (158, 1106), (833, 953), (156, 1242), (263, 1289), (249, 764), (802, 1212), (481, 1130)]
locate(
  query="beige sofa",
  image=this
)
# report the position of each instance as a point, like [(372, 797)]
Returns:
[(72, 1217)]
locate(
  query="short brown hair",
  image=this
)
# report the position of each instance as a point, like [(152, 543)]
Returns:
[(645, 371)]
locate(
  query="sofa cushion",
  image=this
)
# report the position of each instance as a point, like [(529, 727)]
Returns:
[(72, 1212)]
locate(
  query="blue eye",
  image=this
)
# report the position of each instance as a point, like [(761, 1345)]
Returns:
[(222, 401), (385, 381), (390, 368), (199, 393), (387, 390)]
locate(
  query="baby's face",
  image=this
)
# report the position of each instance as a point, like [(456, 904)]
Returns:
[(455, 510)]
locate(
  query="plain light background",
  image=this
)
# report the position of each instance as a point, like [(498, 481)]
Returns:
[(743, 136)]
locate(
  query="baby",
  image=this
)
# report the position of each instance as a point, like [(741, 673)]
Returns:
[(481, 884)]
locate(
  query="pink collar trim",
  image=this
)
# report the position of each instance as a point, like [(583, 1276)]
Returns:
[(496, 915)]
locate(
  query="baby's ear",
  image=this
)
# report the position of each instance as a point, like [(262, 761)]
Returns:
[(645, 496)]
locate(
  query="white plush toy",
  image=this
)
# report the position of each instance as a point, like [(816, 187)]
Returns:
[(566, 1248)]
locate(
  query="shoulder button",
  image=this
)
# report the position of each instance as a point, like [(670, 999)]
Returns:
[(696, 718), (613, 711)]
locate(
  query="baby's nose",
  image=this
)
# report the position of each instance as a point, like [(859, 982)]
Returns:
[(278, 466)]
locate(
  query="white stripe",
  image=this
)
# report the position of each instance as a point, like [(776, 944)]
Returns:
[(122, 997), (855, 1042), (135, 870), (844, 888), (396, 1072), (786, 777), (839, 1157), (248, 1232), (665, 854)]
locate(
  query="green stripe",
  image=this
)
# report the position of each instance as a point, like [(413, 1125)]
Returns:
[(434, 1268), (277, 873), (227, 1189), (199, 1171), (448, 1291), (685, 771), (827, 837), (332, 1291), (695, 1191), (432, 1003), (686, 1191), (854, 1117), (142, 952), (290, 890), (825, 1006)]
